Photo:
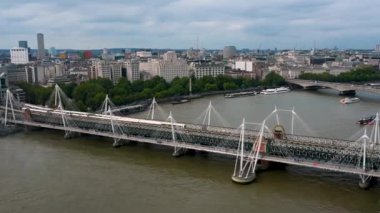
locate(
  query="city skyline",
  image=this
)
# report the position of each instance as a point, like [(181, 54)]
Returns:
[(180, 24)]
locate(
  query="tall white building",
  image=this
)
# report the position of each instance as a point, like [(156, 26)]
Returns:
[(106, 69), (170, 56), (35, 74), (244, 65), (172, 69), (168, 68), (207, 69), (378, 48), (133, 72), (19, 55)]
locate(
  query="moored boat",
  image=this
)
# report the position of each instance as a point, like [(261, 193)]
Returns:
[(238, 94), (275, 90), (181, 101), (348, 100)]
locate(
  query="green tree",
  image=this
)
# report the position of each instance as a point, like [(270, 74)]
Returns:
[(360, 74), (68, 89), (220, 80), (230, 86), (89, 94), (137, 86), (273, 80), (211, 87)]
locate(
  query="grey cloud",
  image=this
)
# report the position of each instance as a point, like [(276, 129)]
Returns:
[(175, 23)]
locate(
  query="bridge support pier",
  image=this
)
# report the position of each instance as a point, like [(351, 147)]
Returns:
[(119, 143), (68, 135), (365, 184), (178, 152), (244, 179)]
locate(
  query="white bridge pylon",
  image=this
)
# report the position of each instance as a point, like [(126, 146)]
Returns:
[(106, 109), (156, 112), (247, 157), (58, 98), (211, 117), (58, 103), (9, 103), (294, 117), (177, 149), (248, 152), (152, 107), (367, 150)]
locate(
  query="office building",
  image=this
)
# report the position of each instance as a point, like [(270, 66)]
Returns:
[(52, 52), (35, 74), (229, 52), (168, 68), (15, 73), (207, 69), (41, 46), (132, 68), (144, 54), (3, 84), (107, 55), (106, 69), (247, 66), (377, 48), (23, 44), (19, 55)]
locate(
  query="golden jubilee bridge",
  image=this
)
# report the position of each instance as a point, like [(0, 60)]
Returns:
[(253, 148)]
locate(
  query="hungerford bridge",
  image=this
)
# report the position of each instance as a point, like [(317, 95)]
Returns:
[(253, 148)]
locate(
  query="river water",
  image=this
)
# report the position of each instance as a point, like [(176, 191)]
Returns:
[(42, 172)]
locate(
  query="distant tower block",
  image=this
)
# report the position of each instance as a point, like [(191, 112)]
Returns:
[(41, 46), (23, 44), (229, 52)]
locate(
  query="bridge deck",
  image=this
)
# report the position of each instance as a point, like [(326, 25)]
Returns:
[(329, 154), (337, 86)]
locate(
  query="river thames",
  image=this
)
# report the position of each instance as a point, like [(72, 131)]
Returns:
[(42, 172)]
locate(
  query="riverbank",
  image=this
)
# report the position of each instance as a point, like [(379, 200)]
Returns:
[(146, 102)]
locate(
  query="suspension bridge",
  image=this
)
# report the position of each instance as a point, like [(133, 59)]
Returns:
[(252, 144)]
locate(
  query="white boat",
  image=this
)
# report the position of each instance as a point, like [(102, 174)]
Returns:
[(275, 90), (238, 94), (348, 100)]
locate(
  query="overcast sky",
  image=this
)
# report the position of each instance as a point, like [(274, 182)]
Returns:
[(251, 24)]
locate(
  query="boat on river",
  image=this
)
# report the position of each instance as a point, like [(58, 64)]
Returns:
[(275, 90), (349, 100), (369, 120), (181, 101), (239, 94)]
